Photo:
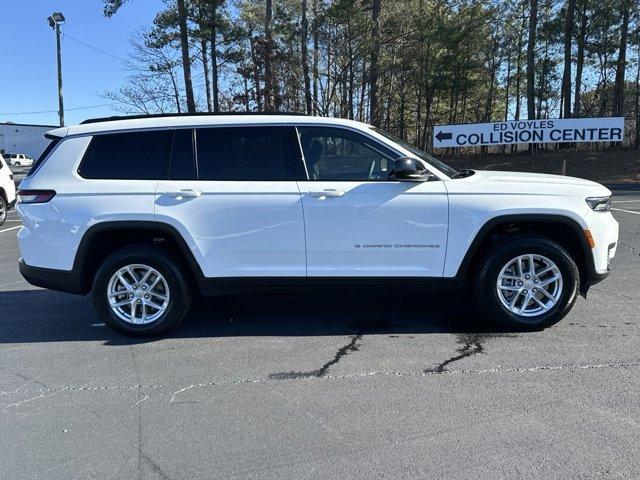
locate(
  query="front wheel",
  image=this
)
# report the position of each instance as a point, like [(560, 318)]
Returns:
[(141, 291), (527, 283)]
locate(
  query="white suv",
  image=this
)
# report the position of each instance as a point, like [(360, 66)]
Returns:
[(145, 212), (7, 190), (19, 160)]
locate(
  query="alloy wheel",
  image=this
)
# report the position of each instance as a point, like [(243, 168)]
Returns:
[(3, 211), (529, 285), (138, 294)]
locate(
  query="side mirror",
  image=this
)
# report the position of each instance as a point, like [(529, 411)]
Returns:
[(408, 169)]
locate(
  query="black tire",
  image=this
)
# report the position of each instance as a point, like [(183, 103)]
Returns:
[(486, 280), (3, 210), (175, 275)]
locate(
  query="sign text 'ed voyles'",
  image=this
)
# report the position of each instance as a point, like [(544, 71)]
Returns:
[(570, 130)]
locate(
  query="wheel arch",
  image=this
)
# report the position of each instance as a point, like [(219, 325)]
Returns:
[(563, 229), (103, 238)]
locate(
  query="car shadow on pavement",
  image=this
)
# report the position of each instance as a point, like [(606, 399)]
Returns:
[(28, 316)]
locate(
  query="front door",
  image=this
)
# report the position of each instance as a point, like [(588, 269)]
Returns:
[(358, 223), (236, 202)]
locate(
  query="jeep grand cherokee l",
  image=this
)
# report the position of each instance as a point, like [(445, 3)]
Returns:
[(146, 212)]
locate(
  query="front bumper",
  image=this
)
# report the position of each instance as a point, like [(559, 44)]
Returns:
[(604, 230), (68, 281)]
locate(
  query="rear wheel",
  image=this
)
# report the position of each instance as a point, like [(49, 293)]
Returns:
[(141, 291), (527, 283), (3, 210)]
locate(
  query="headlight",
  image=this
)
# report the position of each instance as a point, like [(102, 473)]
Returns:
[(599, 204)]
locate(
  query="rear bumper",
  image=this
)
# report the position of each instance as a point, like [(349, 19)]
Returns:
[(11, 204), (68, 281)]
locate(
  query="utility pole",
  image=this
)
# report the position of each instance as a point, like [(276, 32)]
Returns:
[(55, 20)]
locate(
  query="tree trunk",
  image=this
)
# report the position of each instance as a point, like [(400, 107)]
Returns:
[(506, 89), (305, 59), (256, 73), (565, 94), (373, 64), (636, 144), (268, 74), (580, 59), (533, 23), (246, 93), (186, 60), (214, 56), (363, 89), (618, 89), (316, 56), (205, 68), (176, 92), (351, 73)]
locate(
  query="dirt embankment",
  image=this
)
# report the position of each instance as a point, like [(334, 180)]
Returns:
[(609, 166)]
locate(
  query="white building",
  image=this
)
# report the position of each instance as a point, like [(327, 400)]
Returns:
[(23, 138)]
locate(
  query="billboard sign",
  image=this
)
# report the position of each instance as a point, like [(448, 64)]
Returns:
[(569, 130)]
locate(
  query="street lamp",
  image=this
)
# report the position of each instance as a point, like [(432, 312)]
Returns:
[(55, 20)]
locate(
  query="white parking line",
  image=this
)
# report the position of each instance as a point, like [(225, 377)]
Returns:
[(12, 228), (626, 211)]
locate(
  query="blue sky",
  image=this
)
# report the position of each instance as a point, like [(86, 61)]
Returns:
[(28, 82)]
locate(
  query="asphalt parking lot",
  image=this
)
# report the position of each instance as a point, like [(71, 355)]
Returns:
[(323, 386)]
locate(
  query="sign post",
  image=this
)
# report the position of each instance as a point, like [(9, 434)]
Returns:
[(569, 130)]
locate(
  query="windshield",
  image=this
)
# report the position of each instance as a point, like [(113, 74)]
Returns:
[(443, 167)]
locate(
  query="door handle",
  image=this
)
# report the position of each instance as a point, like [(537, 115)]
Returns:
[(327, 192), (185, 193)]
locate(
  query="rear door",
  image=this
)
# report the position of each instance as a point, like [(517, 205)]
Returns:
[(232, 194), (359, 223)]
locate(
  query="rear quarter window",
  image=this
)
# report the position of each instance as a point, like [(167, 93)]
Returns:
[(128, 156), (44, 155)]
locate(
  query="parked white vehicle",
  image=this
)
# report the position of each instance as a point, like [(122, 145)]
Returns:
[(7, 190), (19, 160), (144, 212)]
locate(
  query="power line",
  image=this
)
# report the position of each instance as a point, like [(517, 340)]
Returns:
[(65, 34), (55, 111)]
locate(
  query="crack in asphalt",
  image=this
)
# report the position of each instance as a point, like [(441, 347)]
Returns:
[(532, 369), (535, 368), (472, 346), (342, 352)]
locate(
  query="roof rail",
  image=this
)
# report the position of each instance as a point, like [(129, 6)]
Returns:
[(170, 115)]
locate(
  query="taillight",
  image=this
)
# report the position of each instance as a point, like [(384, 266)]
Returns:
[(35, 196)]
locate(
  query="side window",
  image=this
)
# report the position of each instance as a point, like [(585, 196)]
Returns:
[(128, 156), (343, 155), (183, 165), (242, 153), (44, 155)]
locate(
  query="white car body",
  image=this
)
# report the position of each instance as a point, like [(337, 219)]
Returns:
[(301, 231), (7, 187), (20, 160)]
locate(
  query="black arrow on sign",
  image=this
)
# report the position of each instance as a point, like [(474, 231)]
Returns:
[(444, 136)]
